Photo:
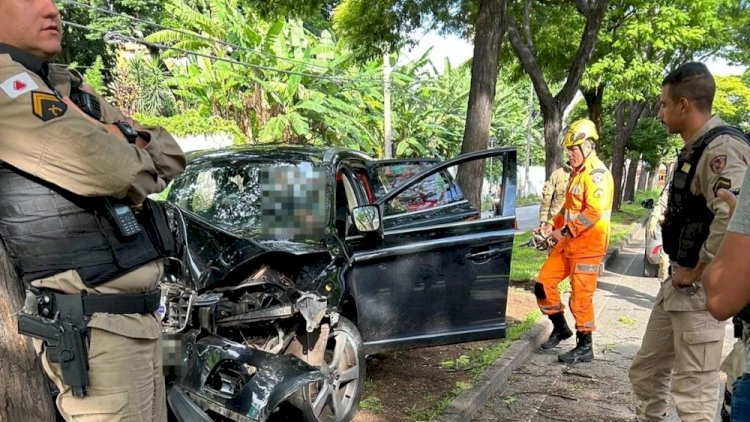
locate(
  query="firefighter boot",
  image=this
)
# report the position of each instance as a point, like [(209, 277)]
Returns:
[(584, 351), (560, 331)]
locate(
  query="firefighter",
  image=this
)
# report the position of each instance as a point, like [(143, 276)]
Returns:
[(581, 230)]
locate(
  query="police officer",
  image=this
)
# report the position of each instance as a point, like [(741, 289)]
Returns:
[(682, 341), (64, 169), (581, 230), (727, 294), (553, 194)]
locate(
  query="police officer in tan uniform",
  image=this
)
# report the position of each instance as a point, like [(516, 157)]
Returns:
[(553, 194), (682, 340), (63, 166)]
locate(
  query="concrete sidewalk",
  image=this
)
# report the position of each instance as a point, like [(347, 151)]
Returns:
[(526, 384)]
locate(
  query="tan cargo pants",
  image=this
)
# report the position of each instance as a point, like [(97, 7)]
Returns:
[(125, 356), (684, 345)]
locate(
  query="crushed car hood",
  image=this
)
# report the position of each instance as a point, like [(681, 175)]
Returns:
[(213, 255)]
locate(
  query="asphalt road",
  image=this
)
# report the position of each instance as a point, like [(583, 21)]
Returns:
[(527, 217)]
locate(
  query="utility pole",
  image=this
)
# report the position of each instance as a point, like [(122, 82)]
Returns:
[(388, 135)]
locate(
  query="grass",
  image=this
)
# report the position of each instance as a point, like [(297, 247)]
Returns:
[(529, 200), (475, 362), (624, 319)]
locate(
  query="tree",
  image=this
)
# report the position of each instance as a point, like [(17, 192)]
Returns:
[(25, 394), (83, 43), (524, 42), (732, 101), (640, 39), (388, 21)]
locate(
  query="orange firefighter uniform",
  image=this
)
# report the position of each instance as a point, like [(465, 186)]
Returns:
[(586, 214)]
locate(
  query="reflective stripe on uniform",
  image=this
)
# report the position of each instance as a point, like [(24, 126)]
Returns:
[(585, 221), (557, 307), (586, 268)]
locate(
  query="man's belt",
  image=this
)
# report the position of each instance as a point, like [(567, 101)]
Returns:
[(78, 307)]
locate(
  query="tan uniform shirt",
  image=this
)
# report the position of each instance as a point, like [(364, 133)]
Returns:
[(726, 157), (553, 194), (43, 138)]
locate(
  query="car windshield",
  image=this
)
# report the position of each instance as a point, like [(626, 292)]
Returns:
[(279, 200)]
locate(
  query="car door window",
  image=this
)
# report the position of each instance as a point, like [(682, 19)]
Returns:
[(436, 197)]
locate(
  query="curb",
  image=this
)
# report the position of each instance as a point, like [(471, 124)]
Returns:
[(612, 253), (463, 407)]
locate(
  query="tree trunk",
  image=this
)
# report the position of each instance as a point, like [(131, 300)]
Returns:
[(626, 116), (645, 177), (630, 182), (594, 99), (553, 106), (25, 394), (652, 178), (553, 152), (484, 68)]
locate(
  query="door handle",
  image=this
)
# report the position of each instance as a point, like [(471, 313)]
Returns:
[(485, 255)]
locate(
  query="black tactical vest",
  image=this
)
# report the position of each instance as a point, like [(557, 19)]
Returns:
[(47, 230), (688, 219)]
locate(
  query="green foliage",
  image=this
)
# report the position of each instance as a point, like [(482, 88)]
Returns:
[(85, 45), (732, 101), (372, 28), (139, 85), (94, 76), (190, 122), (651, 139)]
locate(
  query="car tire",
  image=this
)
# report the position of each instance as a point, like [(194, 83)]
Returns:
[(345, 368), (649, 269)]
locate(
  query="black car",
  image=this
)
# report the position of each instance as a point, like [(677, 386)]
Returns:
[(299, 261)]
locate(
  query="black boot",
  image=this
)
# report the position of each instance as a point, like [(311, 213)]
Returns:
[(560, 331), (584, 351)]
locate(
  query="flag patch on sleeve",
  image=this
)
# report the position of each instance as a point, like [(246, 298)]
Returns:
[(19, 84)]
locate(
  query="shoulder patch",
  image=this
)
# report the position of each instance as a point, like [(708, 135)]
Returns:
[(47, 106), (718, 163), (19, 84), (597, 175)]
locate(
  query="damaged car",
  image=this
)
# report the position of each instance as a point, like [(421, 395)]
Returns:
[(297, 262)]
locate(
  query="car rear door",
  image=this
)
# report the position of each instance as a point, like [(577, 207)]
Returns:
[(440, 273)]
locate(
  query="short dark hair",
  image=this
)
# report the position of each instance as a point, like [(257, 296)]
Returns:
[(693, 81)]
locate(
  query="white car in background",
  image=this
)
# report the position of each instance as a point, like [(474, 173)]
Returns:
[(654, 247)]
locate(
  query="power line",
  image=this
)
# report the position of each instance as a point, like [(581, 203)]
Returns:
[(184, 32), (116, 37)]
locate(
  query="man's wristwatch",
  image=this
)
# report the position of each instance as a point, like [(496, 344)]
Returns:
[(130, 134), (565, 231)]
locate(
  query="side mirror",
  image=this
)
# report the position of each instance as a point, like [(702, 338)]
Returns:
[(367, 219), (648, 203)]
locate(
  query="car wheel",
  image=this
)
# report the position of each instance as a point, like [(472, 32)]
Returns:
[(649, 269), (337, 397)]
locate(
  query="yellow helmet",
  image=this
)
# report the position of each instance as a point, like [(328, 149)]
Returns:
[(579, 131)]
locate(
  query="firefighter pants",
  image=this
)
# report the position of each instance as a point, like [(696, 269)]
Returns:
[(583, 273), (686, 347)]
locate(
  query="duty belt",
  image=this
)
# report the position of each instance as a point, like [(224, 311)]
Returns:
[(78, 308)]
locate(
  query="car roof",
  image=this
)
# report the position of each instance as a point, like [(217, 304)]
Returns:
[(273, 152)]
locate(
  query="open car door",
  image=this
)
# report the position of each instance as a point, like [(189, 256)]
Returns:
[(440, 272)]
